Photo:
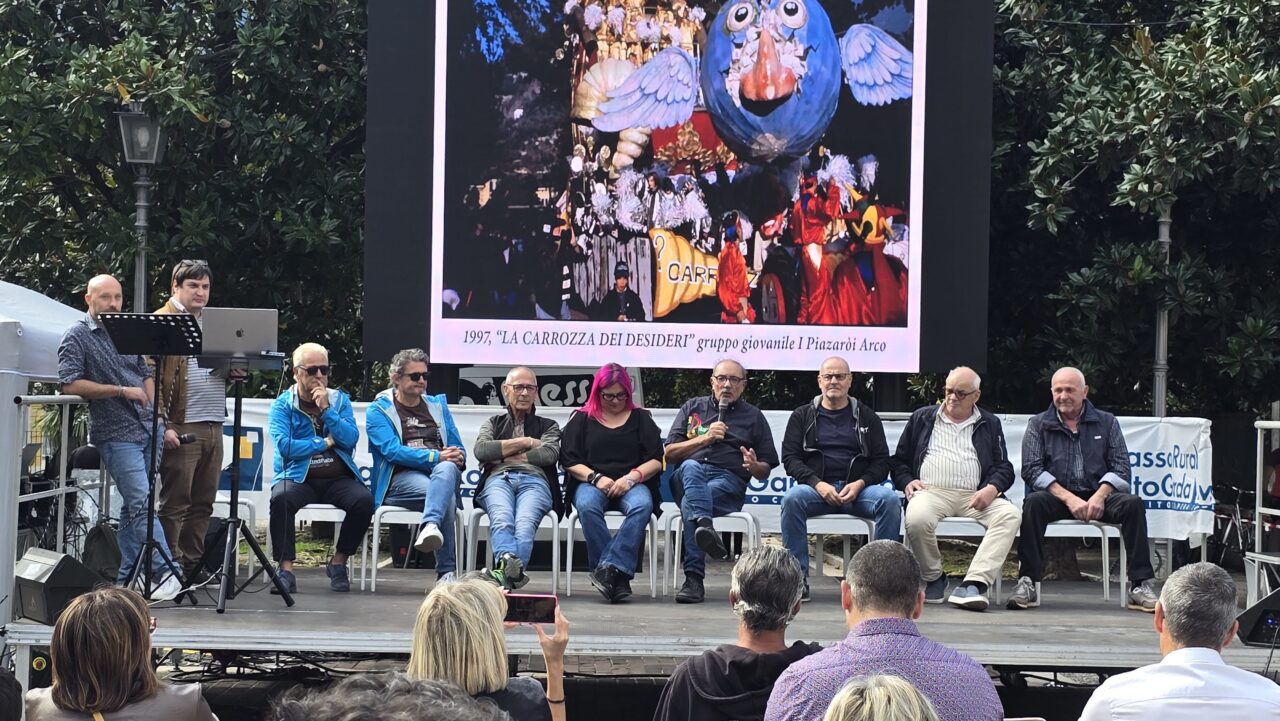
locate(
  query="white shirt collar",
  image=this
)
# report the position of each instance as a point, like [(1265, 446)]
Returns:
[(973, 418), (1193, 654)]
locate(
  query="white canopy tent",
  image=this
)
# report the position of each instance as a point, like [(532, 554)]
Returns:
[(31, 327)]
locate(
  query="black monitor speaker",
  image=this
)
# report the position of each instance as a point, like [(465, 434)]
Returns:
[(47, 581), (1260, 622)]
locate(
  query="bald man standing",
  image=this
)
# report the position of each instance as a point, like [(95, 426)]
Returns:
[(1076, 463), (120, 392)]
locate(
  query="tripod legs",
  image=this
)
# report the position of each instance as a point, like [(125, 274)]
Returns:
[(236, 530)]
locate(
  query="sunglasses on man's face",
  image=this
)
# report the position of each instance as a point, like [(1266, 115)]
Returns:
[(415, 377), (312, 370)]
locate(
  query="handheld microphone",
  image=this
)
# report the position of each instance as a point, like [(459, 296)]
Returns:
[(185, 438), (724, 407)]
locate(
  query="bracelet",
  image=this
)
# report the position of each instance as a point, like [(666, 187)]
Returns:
[(595, 476), (639, 475), (555, 700), (120, 394)]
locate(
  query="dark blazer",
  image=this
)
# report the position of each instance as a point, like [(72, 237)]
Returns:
[(804, 460), (988, 441)]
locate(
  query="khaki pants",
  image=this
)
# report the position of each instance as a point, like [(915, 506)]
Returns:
[(188, 485), (931, 505)]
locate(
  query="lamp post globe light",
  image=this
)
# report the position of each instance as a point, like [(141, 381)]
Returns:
[(143, 147)]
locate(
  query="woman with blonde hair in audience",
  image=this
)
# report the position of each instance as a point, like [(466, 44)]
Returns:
[(880, 697), (459, 636), (101, 654)]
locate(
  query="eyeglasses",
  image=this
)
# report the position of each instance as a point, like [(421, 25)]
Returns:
[(731, 380), (613, 396), (312, 370), (957, 393), (523, 388), (415, 377), (836, 377)]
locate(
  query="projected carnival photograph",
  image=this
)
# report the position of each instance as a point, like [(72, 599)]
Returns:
[(745, 162)]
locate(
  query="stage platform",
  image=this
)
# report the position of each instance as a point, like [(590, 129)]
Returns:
[(1075, 630)]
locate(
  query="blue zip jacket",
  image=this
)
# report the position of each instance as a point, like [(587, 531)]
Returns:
[(382, 423), (294, 438)]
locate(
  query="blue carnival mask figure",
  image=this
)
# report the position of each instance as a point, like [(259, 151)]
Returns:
[(770, 78)]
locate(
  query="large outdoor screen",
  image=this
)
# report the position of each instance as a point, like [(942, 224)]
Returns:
[(663, 184)]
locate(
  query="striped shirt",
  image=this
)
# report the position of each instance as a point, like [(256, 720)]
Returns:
[(952, 461), (206, 394)]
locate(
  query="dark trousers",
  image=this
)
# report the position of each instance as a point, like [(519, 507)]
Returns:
[(1040, 508), (348, 494)]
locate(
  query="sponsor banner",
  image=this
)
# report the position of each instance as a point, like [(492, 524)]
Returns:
[(1171, 459)]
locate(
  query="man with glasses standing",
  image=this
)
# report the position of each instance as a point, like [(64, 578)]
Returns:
[(835, 449), (193, 405), (518, 451), (313, 433), (952, 461), (417, 456), (719, 442)]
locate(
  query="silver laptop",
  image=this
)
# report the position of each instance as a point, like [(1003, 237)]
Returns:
[(245, 332)]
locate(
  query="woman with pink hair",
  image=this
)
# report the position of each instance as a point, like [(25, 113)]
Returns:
[(611, 451)]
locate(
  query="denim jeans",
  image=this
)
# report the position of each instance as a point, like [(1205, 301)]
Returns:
[(620, 551), (436, 495), (516, 503), (127, 464), (801, 502), (709, 491)]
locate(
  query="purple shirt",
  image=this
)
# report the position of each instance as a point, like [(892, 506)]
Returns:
[(958, 686)]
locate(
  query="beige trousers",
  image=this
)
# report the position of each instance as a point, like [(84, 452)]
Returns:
[(927, 507), (189, 477)]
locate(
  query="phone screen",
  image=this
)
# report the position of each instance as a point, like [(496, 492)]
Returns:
[(530, 608)]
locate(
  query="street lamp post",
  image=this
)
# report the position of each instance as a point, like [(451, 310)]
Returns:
[(143, 147), (1160, 368)]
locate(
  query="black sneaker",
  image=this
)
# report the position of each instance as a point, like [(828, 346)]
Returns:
[(935, 591), (603, 578), (338, 579), (621, 587), (290, 582), (692, 591), (708, 540), (804, 595)]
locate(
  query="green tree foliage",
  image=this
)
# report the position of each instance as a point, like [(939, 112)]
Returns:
[(263, 103), (1096, 127)]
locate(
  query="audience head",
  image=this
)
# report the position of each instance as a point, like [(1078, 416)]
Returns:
[(880, 698), (883, 579), (765, 588), (728, 380), (1197, 608), (611, 390), (459, 637), (10, 696), (384, 697), (101, 652)]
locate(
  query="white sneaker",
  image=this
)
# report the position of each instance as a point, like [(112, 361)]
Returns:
[(168, 588), (429, 538)]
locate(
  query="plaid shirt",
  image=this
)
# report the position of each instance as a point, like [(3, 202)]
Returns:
[(958, 686), (1042, 465), (86, 352)]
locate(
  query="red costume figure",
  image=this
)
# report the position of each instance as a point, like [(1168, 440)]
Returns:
[(809, 218), (731, 280), (867, 289)]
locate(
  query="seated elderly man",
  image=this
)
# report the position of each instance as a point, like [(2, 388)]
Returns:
[(1076, 463), (313, 432), (734, 680), (1196, 619), (417, 456), (952, 461)]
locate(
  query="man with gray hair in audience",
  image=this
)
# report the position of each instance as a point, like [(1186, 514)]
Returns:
[(1196, 618), (734, 680), (882, 595), (384, 697)]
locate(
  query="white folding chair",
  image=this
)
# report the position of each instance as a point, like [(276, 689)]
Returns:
[(673, 530), (964, 527), (613, 520), (477, 518), (845, 525), (1082, 529), (326, 513), (396, 515)]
